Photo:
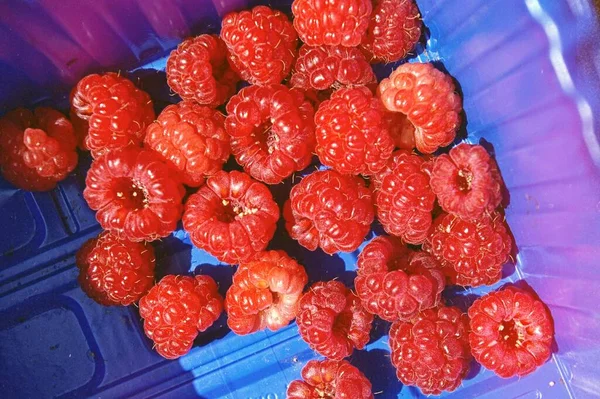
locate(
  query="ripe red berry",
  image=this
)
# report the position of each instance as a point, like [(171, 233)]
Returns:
[(331, 23), (396, 283), (198, 71), (330, 379), (272, 131), (471, 253), (352, 134), (511, 332), (265, 293), (232, 217), (115, 271), (329, 210), (136, 194), (191, 138), (467, 182), (332, 320), (427, 97), (176, 309), (432, 350), (262, 44), (109, 112)]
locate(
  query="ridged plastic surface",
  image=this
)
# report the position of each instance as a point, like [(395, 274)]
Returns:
[(528, 72)]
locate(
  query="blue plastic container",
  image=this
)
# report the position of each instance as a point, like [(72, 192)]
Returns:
[(528, 71)]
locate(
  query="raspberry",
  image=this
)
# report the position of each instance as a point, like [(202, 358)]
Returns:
[(427, 97), (232, 217), (511, 332), (115, 271), (135, 194), (396, 283), (191, 138), (326, 67), (471, 253), (432, 350), (403, 199), (109, 112), (176, 309), (467, 182), (352, 135), (37, 149), (330, 22), (394, 30), (262, 44), (265, 293), (198, 71), (272, 131), (332, 320), (330, 379), (329, 210), (401, 130)]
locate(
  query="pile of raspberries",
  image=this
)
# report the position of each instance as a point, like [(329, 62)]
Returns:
[(383, 157)]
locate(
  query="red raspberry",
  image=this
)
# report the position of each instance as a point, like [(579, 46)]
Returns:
[(326, 67), (403, 199), (265, 293), (401, 130), (432, 350), (511, 332), (471, 253), (332, 320), (232, 217), (115, 271), (427, 97), (329, 210), (262, 44), (109, 112), (331, 22), (396, 283), (198, 71), (330, 379), (467, 182), (272, 131), (191, 138), (38, 149), (394, 30), (352, 135), (176, 309), (135, 194)]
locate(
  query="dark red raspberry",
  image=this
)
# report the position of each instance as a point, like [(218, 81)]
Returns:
[(109, 112), (265, 293), (115, 271), (396, 283), (330, 379), (467, 182), (198, 70), (272, 131), (331, 23), (394, 30), (352, 134), (329, 210), (403, 199), (176, 309), (332, 320), (136, 194), (262, 44), (432, 350), (326, 67), (471, 253), (232, 217), (427, 97), (191, 138), (511, 332), (37, 150)]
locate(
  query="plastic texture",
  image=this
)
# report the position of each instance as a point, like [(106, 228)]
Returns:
[(528, 72)]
